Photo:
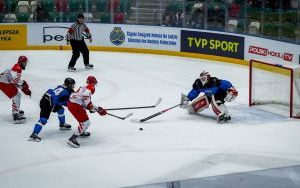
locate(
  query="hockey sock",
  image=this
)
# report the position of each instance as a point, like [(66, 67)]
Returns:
[(83, 126), (61, 116), (16, 103), (38, 127)]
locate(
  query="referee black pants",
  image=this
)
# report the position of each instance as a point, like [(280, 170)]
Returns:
[(79, 46)]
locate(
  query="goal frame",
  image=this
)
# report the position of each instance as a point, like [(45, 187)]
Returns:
[(291, 84)]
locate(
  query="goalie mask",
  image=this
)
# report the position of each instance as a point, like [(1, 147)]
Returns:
[(23, 60), (204, 77)]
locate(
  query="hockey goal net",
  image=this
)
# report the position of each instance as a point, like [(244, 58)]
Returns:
[(275, 87)]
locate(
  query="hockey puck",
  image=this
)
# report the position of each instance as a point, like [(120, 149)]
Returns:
[(141, 129)]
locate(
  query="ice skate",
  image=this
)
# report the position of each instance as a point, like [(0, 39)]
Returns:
[(34, 137), (85, 134), (73, 142), (71, 69), (18, 119), (64, 126), (89, 66)]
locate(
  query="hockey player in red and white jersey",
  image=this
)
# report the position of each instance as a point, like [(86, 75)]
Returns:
[(11, 82), (79, 102)]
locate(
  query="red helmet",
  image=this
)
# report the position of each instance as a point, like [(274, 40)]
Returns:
[(23, 61), (91, 80)]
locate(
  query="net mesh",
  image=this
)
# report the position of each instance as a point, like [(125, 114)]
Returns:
[(271, 84)]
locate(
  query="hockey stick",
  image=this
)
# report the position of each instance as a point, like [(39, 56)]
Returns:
[(156, 114), (137, 107), (122, 118)]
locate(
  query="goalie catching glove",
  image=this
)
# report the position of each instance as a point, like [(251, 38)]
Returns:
[(232, 93), (25, 88)]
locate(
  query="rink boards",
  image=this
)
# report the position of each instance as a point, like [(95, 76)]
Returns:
[(220, 46)]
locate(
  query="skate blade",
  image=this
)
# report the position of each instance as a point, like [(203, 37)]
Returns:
[(72, 144), (64, 129), (19, 121), (71, 70), (34, 140)]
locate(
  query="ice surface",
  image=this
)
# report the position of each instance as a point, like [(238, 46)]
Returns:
[(172, 146)]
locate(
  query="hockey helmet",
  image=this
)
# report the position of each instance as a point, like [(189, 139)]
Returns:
[(23, 60), (80, 16), (204, 77), (70, 83), (91, 80)]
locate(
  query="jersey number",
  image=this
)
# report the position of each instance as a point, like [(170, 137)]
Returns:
[(58, 91)]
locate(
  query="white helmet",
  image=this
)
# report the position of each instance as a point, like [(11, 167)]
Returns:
[(204, 77)]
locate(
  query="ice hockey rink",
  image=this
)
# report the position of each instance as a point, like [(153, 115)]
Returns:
[(173, 146)]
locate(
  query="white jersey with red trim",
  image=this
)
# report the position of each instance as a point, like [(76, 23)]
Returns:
[(83, 96), (12, 75)]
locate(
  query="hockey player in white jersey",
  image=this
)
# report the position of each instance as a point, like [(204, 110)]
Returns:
[(11, 82), (80, 101)]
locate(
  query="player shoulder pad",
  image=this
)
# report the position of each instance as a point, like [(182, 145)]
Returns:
[(197, 84), (91, 88), (17, 68)]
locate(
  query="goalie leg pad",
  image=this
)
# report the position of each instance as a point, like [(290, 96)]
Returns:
[(199, 105), (220, 110)]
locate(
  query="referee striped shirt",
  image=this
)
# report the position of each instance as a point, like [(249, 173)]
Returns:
[(76, 31)]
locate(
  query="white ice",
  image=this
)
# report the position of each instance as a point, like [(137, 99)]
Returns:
[(173, 146)]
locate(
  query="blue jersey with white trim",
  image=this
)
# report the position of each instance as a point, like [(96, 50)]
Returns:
[(60, 95)]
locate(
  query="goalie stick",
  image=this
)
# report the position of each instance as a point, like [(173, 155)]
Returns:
[(154, 115), (122, 118), (137, 107)]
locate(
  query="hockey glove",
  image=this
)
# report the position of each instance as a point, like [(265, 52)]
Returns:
[(232, 93), (101, 111), (184, 101), (25, 88)]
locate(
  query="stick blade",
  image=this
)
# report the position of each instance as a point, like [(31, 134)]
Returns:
[(128, 116), (135, 120), (158, 102)]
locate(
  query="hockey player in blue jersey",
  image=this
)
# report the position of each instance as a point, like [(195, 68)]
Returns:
[(216, 92), (52, 101)]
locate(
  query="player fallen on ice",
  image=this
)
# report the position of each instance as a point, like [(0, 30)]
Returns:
[(216, 92), (75, 37), (53, 101), (80, 101), (10, 83)]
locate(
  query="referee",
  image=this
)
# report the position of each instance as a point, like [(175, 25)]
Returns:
[(75, 36)]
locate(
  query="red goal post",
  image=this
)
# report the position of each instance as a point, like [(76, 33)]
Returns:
[(275, 84)]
